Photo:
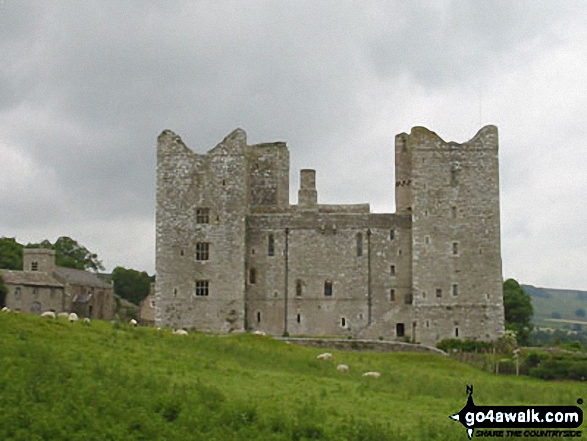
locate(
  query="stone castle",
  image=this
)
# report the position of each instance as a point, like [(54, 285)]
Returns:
[(233, 254)]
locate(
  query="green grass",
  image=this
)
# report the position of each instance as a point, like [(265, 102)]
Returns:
[(62, 381)]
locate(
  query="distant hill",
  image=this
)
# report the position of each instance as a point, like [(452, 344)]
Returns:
[(557, 307)]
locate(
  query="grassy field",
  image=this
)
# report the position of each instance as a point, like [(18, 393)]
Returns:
[(63, 381)]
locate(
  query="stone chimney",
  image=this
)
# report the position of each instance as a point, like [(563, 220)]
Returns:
[(307, 194)]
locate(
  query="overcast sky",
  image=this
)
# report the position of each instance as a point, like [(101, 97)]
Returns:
[(86, 87)]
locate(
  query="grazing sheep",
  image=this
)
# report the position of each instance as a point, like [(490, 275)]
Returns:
[(86, 321), (133, 322), (259, 333), (5, 309), (342, 368), (48, 314), (325, 356), (372, 374), (73, 317), (180, 332), (64, 315)]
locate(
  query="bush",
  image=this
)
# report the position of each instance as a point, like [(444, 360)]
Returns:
[(452, 344), (561, 369)]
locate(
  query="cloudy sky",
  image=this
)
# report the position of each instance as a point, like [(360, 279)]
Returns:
[(86, 87)]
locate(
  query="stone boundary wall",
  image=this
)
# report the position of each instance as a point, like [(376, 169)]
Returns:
[(362, 345)]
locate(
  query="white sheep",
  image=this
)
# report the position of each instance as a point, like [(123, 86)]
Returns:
[(73, 317), (259, 333), (48, 314), (342, 368), (5, 309), (86, 321), (325, 356), (180, 332), (64, 315), (372, 374), (133, 322)]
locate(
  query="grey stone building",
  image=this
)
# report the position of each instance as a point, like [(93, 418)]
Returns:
[(43, 286), (233, 254)]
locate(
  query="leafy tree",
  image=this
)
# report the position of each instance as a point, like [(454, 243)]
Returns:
[(556, 315), (3, 292), (580, 312), (518, 311), (70, 254), (10, 254), (130, 284)]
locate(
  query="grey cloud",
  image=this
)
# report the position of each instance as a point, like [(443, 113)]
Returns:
[(460, 41)]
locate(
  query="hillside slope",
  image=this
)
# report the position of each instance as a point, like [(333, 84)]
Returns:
[(551, 305), (63, 381)]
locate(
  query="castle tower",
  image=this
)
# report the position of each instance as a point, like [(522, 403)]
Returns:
[(202, 205), (200, 242), (453, 193)]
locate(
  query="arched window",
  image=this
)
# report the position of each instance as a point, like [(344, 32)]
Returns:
[(252, 276), (399, 330), (359, 244)]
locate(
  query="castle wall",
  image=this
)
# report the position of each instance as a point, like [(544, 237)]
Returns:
[(353, 252)]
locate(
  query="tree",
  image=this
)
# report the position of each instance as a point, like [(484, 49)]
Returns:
[(130, 284), (10, 254), (518, 311), (580, 313)]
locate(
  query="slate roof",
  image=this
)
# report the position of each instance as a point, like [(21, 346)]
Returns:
[(29, 278), (81, 277)]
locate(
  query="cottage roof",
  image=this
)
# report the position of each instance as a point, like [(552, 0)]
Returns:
[(29, 278), (80, 277)]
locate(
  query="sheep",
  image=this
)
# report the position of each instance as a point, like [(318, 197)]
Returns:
[(73, 317), (259, 333), (342, 368), (48, 314), (372, 374), (325, 356), (5, 309), (87, 321), (133, 322), (64, 315), (180, 332)]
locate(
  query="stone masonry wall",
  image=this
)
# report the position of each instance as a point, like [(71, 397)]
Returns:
[(457, 279)]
